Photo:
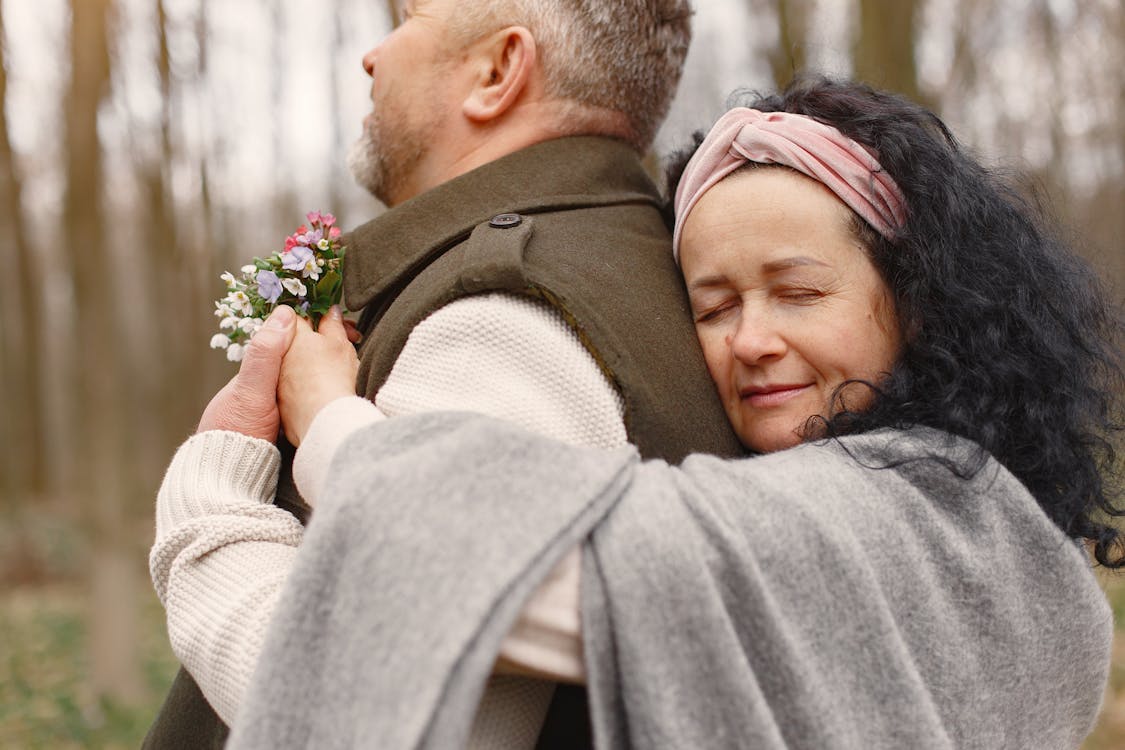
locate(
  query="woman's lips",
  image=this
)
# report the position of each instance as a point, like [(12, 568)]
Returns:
[(771, 395)]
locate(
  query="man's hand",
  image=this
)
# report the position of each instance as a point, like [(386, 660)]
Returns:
[(319, 367), (248, 403)]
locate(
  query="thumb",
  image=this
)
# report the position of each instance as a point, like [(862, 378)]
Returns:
[(332, 324), (262, 361)]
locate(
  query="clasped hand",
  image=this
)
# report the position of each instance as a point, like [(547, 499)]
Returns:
[(288, 374)]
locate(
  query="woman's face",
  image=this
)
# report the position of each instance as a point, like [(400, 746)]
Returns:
[(787, 305)]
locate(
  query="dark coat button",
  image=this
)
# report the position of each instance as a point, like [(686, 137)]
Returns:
[(505, 221)]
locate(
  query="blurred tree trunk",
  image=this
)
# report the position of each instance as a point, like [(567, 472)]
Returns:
[(884, 50), (209, 247), (168, 268), (22, 471), (789, 57), (1115, 238), (99, 377), (335, 108), (1107, 219)]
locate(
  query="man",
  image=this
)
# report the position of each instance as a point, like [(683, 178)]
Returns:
[(523, 270)]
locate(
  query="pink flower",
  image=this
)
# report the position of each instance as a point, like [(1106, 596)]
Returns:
[(334, 232), (290, 243), (317, 218)]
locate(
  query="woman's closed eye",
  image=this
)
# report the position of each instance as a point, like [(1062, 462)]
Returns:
[(716, 312), (801, 295)]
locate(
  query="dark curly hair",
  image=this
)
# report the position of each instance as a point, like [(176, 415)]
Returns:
[(1010, 339)]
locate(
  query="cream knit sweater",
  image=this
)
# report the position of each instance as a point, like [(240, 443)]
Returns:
[(223, 551)]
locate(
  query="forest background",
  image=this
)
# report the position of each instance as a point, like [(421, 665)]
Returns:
[(148, 145)]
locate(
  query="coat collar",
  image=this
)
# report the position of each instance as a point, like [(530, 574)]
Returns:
[(385, 253)]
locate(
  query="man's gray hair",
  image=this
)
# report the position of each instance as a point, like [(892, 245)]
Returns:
[(613, 58)]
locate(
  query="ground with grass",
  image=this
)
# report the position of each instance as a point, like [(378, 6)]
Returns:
[(45, 701)]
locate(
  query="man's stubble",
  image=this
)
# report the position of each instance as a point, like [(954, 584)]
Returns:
[(387, 152)]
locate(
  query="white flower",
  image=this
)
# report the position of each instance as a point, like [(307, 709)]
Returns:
[(228, 277), (311, 270), (240, 302), (249, 270), (222, 310), (220, 341), (250, 325), (228, 322), (323, 244), (295, 287), (234, 352)]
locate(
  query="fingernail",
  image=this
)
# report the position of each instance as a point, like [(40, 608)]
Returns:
[(334, 311), (280, 317)]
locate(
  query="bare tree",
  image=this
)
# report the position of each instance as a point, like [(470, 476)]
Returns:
[(21, 361), (335, 193), (789, 56), (98, 374), (884, 50)]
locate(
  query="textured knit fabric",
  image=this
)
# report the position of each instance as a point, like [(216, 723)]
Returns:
[(222, 550), (507, 357), (804, 599)]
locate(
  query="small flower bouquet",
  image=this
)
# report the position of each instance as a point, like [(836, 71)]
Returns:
[(305, 276)]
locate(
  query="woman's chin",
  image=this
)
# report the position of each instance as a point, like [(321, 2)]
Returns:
[(766, 439)]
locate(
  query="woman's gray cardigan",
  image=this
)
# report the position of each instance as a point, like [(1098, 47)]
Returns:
[(836, 595)]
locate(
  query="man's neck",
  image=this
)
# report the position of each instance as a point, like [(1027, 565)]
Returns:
[(474, 146)]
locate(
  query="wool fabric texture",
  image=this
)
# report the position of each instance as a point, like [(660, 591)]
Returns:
[(800, 599), (820, 151)]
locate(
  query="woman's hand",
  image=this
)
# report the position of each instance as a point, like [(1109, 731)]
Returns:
[(319, 367), (248, 403)]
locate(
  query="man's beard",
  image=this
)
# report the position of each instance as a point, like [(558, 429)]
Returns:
[(382, 165)]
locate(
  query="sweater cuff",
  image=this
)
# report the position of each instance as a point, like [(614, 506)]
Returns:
[(212, 470), (331, 426)]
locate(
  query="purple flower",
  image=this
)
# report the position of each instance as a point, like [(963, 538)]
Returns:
[(269, 286), (297, 258)]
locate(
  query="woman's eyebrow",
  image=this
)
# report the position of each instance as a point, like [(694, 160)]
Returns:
[(770, 267), (796, 261), (707, 281)]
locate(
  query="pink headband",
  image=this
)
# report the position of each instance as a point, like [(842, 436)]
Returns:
[(818, 150)]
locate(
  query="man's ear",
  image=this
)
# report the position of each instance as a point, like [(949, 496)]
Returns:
[(504, 64)]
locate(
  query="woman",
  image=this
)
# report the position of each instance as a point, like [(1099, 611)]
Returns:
[(908, 583)]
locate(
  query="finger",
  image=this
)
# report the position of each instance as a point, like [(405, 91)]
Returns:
[(262, 361), (354, 335), (332, 324)]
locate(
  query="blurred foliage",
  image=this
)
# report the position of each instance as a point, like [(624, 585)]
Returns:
[(44, 695), (1110, 732)]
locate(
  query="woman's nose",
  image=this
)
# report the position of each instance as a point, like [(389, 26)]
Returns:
[(757, 341)]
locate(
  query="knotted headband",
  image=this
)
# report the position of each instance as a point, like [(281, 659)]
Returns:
[(820, 151)]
